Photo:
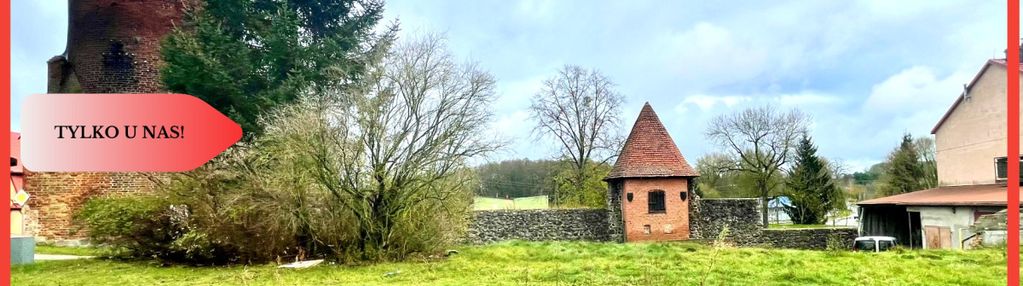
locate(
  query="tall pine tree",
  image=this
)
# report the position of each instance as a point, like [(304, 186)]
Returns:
[(244, 57), (903, 171), (810, 187)]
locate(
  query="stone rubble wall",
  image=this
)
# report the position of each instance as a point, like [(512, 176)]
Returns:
[(707, 218), (538, 225), (809, 238)]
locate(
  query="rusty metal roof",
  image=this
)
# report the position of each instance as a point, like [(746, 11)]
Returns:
[(969, 195), (650, 152)]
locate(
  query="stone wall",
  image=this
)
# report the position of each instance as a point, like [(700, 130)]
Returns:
[(538, 225), (615, 222), (742, 217), (707, 218), (745, 226), (810, 238)]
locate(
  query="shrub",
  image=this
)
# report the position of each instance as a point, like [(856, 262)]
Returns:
[(836, 242), (149, 226), (376, 172), (723, 240), (131, 226)]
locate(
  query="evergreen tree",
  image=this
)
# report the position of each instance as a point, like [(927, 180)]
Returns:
[(244, 57), (810, 187), (904, 171)]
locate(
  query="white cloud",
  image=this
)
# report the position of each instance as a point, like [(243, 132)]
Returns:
[(807, 100), (707, 102), (913, 90), (707, 54), (541, 9), (517, 94)]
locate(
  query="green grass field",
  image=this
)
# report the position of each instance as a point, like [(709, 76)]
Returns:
[(80, 251), (802, 226), (567, 263), (485, 203)]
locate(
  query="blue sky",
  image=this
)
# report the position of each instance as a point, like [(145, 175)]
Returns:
[(866, 71)]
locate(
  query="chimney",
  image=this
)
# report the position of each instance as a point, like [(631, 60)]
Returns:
[(1006, 52)]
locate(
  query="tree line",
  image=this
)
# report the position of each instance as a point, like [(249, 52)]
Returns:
[(553, 178), (357, 143), (768, 154)]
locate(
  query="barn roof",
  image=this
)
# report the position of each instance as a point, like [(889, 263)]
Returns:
[(968, 195), (650, 152)]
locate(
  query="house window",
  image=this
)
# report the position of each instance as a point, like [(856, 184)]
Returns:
[(655, 200), (1001, 169)]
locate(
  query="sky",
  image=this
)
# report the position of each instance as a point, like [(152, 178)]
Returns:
[(865, 71)]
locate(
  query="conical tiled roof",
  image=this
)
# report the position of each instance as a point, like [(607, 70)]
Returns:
[(650, 152)]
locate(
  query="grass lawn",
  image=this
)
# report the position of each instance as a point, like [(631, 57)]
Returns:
[(485, 203), (582, 263), (799, 226), (80, 251)]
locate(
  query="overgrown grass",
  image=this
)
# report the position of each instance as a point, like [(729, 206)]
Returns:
[(801, 226), (80, 251), (569, 263)]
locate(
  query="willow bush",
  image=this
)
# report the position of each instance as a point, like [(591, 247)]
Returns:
[(376, 171)]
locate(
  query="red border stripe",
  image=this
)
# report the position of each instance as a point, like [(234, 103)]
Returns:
[(1012, 64), (5, 136)]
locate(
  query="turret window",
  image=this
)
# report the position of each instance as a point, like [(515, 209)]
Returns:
[(655, 201)]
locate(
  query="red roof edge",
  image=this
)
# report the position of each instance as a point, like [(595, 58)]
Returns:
[(649, 151)]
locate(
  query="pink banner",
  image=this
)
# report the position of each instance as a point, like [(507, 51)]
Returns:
[(122, 132)]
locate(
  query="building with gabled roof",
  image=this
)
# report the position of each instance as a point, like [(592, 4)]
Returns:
[(649, 185), (970, 143), (972, 134)]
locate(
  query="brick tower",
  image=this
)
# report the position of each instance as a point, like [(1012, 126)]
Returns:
[(113, 46), (649, 185)]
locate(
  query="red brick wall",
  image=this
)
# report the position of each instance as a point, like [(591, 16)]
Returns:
[(113, 47), (57, 196), (673, 224)]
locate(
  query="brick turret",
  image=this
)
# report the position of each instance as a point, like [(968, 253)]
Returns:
[(113, 46), (649, 185)]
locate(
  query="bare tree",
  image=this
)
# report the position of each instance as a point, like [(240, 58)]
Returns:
[(761, 139), (715, 178), (925, 147), (375, 171), (579, 108), (398, 145)]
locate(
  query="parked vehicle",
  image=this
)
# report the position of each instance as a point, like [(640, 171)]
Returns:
[(874, 243)]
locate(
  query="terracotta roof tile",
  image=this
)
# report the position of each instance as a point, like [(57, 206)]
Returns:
[(650, 152)]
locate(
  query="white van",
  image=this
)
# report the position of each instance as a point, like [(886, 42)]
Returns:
[(873, 243)]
